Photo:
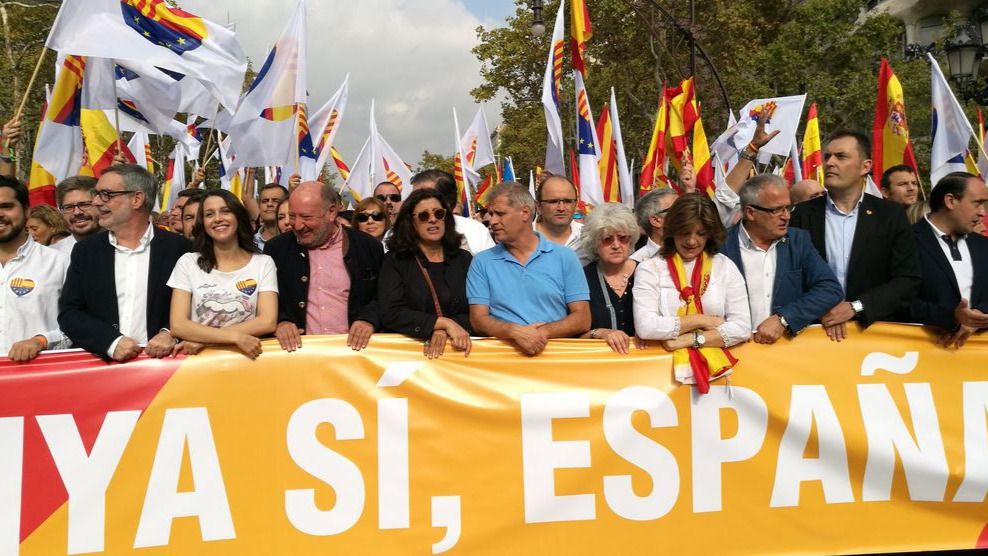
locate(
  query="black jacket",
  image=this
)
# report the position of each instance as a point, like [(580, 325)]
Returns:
[(362, 256), (87, 310), (939, 294), (883, 269), (405, 302)]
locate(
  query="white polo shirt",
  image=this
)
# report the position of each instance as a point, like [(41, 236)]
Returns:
[(32, 283)]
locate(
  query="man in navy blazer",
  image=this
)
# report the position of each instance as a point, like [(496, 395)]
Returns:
[(789, 284), (954, 261)]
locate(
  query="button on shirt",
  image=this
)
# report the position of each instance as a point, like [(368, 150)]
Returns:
[(31, 283), (964, 268), (329, 288), (130, 276), (759, 275), (839, 236)]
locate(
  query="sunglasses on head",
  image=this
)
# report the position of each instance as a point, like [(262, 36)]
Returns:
[(394, 198), (365, 216), (424, 215)]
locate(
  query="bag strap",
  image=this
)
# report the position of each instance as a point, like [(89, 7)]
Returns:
[(432, 289), (607, 298)]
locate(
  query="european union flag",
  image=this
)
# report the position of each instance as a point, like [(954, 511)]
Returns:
[(171, 28)]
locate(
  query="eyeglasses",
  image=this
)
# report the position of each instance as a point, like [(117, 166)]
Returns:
[(69, 209), (424, 215), (105, 195), (365, 216), (566, 202), (620, 238), (777, 211), (394, 198)]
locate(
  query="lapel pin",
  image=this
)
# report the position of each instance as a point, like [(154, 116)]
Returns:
[(868, 212)]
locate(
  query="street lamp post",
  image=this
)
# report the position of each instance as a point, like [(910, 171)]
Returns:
[(538, 24)]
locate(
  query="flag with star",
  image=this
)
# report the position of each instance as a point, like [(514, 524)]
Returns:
[(588, 147)]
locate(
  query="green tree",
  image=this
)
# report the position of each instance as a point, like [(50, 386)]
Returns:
[(430, 161)]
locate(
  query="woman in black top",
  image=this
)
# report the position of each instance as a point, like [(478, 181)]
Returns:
[(422, 287), (609, 234)]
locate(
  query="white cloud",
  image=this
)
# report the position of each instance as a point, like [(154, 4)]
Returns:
[(413, 57)]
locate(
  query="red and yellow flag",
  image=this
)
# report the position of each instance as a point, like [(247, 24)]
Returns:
[(608, 158), (653, 167), (890, 133), (340, 165), (580, 33), (484, 189), (812, 147), (679, 122), (102, 141), (461, 183)]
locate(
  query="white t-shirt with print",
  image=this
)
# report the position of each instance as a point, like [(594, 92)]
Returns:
[(223, 298)]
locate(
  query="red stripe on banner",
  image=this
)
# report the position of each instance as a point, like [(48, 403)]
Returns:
[(73, 383), (983, 538)]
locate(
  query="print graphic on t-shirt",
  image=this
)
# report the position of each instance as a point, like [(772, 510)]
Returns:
[(248, 286), (220, 307), (21, 286)]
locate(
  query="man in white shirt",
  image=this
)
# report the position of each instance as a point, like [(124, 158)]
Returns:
[(556, 199), (115, 302), (74, 196), (651, 214), (31, 278), (954, 261), (476, 236)]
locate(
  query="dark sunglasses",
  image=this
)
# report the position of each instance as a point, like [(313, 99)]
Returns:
[(365, 216), (394, 198), (424, 215)]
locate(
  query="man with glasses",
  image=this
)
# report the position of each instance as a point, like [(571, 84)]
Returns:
[(74, 196), (789, 284), (651, 215), (327, 273), (115, 303), (388, 193), (271, 195), (526, 289), (557, 198), (865, 240)]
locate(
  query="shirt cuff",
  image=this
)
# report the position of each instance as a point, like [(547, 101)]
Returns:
[(57, 339), (113, 346)]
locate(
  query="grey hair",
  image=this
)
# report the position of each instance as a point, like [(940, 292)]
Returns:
[(752, 188), (609, 216), (649, 205), (517, 194), (136, 178)]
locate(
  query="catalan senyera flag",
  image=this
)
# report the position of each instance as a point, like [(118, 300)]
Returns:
[(307, 155), (326, 122), (890, 133), (653, 167), (580, 33), (680, 119), (340, 165), (607, 165), (140, 146), (484, 188), (812, 147)]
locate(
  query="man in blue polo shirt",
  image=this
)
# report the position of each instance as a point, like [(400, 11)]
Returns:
[(526, 289)]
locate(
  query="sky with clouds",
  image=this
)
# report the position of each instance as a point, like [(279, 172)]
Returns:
[(412, 56)]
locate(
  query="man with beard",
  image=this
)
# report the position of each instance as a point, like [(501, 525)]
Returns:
[(32, 275), (74, 196), (115, 302)]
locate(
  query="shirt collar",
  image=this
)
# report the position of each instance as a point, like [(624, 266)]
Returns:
[(499, 251), (333, 240), (940, 233), (25, 249), (748, 243), (141, 244), (833, 206)]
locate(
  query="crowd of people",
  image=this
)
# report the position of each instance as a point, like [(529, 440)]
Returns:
[(697, 274)]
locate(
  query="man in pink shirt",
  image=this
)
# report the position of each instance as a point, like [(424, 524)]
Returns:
[(327, 274)]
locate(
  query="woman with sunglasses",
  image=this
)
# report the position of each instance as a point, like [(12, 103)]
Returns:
[(609, 233), (371, 217), (225, 292), (423, 281)]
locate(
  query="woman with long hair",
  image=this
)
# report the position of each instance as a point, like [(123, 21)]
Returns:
[(371, 217), (422, 287), (46, 225), (691, 297), (225, 292)]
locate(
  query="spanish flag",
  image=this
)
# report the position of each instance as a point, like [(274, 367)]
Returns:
[(653, 168), (890, 133), (607, 164), (580, 33), (702, 163), (812, 147)]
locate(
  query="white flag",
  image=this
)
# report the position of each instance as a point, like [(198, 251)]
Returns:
[(138, 146), (951, 129), (475, 144), (174, 179), (551, 84), (624, 173), (326, 122), (788, 111)]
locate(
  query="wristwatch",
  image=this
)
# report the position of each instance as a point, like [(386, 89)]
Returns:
[(783, 321), (857, 306), (699, 340)]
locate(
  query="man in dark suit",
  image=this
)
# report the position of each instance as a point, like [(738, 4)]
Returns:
[(865, 240), (954, 295), (327, 274), (115, 302), (789, 285)]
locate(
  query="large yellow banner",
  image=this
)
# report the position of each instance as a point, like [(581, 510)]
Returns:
[(879, 443)]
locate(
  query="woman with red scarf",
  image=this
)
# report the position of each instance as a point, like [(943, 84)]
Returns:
[(691, 297)]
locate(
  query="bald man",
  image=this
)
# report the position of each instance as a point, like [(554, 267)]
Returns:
[(805, 190)]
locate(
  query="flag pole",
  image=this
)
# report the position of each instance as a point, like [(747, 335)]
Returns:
[(27, 93), (209, 143), (116, 116)]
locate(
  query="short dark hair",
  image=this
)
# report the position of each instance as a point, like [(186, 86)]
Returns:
[(203, 244), (193, 193), (73, 183), (267, 186), (953, 184), (688, 210), (433, 175), (403, 241), (863, 141), (887, 174), (20, 191)]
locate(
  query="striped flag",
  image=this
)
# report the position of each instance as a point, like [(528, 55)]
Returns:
[(588, 147), (890, 133), (812, 147), (580, 33), (174, 179), (99, 134), (550, 97), (653, 174), (326, 122), (140, 147), (58, 149), (607, 166), (340, 165)]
